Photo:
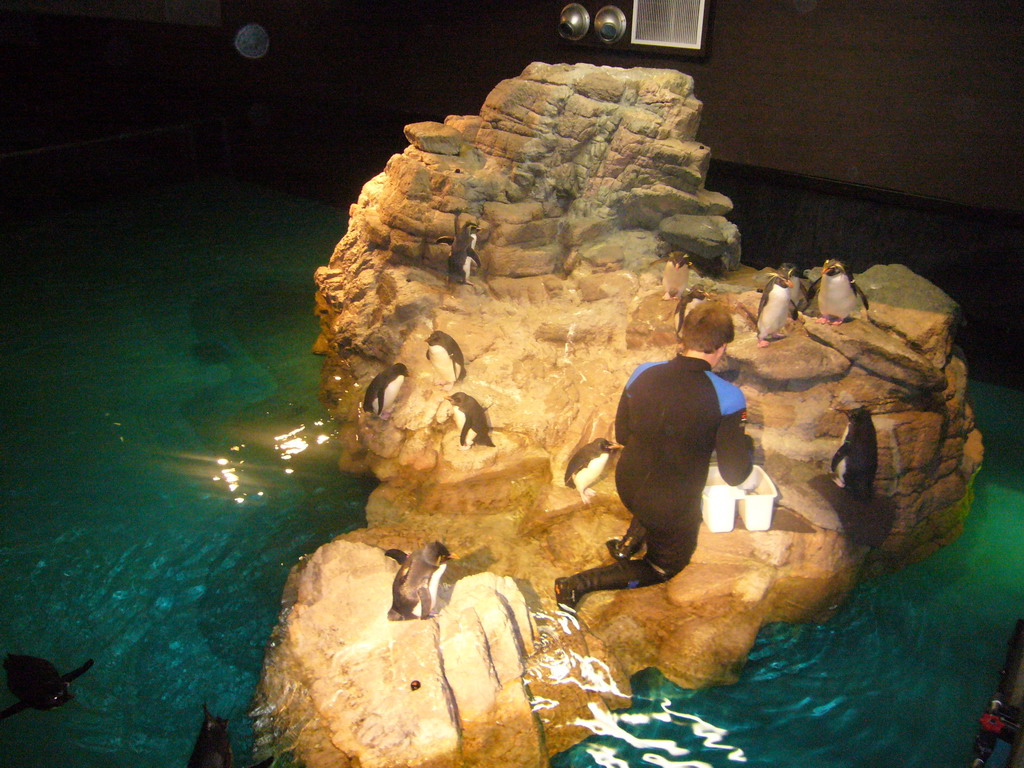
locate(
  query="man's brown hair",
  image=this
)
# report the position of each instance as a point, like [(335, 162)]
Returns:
[(706, 327)]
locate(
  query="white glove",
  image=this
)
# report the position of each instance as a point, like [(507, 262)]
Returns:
[(752, 481)]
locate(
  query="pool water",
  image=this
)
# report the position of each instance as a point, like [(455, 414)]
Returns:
[(165, 460)]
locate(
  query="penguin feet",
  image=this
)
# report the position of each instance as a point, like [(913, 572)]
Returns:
[(822, 320), (762, 343), (587, 494), (465, 447)]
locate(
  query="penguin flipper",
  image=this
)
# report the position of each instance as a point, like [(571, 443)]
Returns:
[(13, 709), (841, 454), (859, 292), (397, 555), (77, 672), (812, 290), (764, 298)]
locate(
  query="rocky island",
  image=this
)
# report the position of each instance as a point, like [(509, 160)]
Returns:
[(579, 181)]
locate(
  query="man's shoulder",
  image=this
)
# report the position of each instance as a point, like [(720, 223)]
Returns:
[(641, 368), (730, 397)]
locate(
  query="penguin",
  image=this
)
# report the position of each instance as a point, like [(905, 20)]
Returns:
[(775, 308), (444, 354), (463, 256), (687, 301), (797, 289), (213, 747), (471, 419), (586, 465), (414, 590), (855, 463), (676, 276), (382, 391), (837, 293), (37, 683)]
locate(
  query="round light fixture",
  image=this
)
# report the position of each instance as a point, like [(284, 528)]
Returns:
[(252, 41), (574, 22), (610, 24)]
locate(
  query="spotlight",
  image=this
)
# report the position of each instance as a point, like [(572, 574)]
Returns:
[(574, 22), (610, 24)]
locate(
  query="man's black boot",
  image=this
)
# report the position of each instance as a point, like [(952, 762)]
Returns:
[(624, 548), (629, 574), (630, 544)]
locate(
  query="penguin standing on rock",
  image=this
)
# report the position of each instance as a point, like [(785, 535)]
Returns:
[(37, 683), (586, 465), (775, 309), (444, 354), (676, 275), (463, 256), (837, 293), (855, 463), (797, 290), (414, 590), (471, 419), (691, 299), (383, 390)]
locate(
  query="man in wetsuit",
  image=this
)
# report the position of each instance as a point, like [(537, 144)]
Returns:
[(671, 416)]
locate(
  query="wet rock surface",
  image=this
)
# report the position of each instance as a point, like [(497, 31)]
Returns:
[(580, 178)]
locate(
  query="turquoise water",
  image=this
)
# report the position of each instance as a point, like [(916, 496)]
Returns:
[(898, 677), (152, 345), (148, 347)]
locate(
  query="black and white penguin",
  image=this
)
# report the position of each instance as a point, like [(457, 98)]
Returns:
[(676, 276), (414, 590), (797, 288), (837, 293), (383, 390), (586, 465), (37, 683), (463, 256), (444, 354), (213, 745), (775, 308), (687, 301), (855, 463), (471, 419)]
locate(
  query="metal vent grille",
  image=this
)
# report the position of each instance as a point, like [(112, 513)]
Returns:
[(672, 23)]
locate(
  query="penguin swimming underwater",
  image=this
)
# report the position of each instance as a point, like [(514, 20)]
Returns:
[(676, 275), (837, 293), (444, 354), (213, 747), (463, 255), (37, 683), (855, 463), (471, 419), (414, 590), (775, 308), (687, 301), (586, 465), (383, 390)]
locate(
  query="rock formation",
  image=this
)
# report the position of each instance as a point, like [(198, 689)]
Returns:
[(581, 178)]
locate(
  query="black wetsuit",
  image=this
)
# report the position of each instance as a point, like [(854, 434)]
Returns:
[(671, 416)]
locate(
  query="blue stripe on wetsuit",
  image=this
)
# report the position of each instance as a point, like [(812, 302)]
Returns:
[(640, 369), (730, 397)]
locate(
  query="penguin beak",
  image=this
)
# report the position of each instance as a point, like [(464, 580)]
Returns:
[(615, 447)]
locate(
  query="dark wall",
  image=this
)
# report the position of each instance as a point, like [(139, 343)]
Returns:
[(919, 96)]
